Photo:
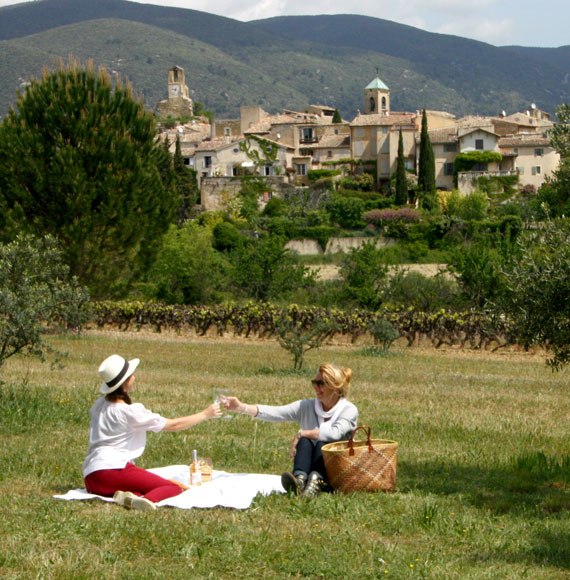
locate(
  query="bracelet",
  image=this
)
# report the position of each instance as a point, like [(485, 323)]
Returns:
[(299, 433), (244, 412)]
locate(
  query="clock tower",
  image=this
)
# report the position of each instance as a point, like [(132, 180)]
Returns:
[(179, 103)]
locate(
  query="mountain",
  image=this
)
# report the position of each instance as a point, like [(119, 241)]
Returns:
[(286, 62), (483, 73)]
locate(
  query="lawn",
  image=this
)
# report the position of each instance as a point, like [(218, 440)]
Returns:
[(483, 487)]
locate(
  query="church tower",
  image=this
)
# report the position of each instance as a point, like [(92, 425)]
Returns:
[(377, 98), (179, 103)]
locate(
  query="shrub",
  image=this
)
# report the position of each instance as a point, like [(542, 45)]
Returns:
[(226, 236), (379, 217), (346, 211)]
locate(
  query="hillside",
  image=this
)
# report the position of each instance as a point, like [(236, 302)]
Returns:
[(278, 63), (479, 72)]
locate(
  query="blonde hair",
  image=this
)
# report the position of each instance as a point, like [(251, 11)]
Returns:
[(336, 378)]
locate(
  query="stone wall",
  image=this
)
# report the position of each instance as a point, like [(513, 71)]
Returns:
[(335, 245), (217, 191)]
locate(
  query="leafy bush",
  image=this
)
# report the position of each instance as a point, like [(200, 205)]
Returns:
[(364, 275), (473, 206), (226, 236), (316, 174), (275, 207), (187, 269), (424, 293), (346, 212), (364, 182)]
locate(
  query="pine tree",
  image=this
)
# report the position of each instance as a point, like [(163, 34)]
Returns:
[(426, 169), (401, 178), (336, 117), (79, 160)]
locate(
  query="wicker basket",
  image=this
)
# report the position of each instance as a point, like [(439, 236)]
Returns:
[(361, 465)]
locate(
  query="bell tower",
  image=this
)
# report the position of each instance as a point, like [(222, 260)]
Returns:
[(176, 83), (179, 103), (377, 98)]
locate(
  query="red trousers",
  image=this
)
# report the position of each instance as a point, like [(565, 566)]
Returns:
[(131, 478)]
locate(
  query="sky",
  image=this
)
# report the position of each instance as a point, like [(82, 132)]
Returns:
[(541, 23)]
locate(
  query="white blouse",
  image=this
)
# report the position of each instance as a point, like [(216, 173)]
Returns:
[(117, 434)]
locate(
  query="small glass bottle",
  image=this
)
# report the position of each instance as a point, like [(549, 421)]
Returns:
[(195, 473)]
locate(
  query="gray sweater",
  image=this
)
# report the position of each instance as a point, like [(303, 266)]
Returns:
[(303, 412)]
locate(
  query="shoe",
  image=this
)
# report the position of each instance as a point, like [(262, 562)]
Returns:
[(133, 502), (314, 485), (293, 484)]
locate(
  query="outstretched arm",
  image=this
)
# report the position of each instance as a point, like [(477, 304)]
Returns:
[(181, 423), (234, 404)]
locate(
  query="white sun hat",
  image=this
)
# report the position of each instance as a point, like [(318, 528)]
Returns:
[(114, 371)]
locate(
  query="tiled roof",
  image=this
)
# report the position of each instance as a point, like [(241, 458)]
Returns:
[(287, 118), (383, 120), (332, 141), (448, 135), (524, 141), (212, 145)]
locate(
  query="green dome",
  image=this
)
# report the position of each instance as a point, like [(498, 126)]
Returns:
[(377, 84)]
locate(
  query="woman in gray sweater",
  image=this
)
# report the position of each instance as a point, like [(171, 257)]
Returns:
[(328, 417)]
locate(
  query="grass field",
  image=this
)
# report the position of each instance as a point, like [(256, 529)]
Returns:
[(483, 488)]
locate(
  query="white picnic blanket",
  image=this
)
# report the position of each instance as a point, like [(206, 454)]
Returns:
[(231, 490)]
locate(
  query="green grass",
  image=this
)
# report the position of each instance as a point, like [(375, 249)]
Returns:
[(483, 467)]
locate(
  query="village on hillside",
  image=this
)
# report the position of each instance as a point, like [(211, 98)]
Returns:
[(285, 147)]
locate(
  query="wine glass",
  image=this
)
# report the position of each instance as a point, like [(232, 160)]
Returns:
[(219, 396)]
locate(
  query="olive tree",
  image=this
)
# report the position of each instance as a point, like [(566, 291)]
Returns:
[(538, 290), (35, 291)]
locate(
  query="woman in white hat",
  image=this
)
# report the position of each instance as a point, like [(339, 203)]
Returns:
[(117, 436)]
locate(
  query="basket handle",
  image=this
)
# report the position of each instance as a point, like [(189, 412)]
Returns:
[(366, 429)]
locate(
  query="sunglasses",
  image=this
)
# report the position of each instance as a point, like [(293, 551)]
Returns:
[(318, 383)]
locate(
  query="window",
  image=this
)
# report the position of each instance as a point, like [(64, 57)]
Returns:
[(372, 104), (539, 152), (448, 168), (336, 131), (207, 161), (517, 150), (479, 144), (409, 163), (449, 147), (227, 132), (267, 170), (536, 170), (329, 154), (384, 130), (307, 134), (301, 169), (383, 103), (306, 152), (520, 170)]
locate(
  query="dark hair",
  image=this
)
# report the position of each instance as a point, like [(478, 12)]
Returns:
[(118, 395)]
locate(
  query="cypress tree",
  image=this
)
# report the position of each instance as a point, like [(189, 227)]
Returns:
[(401, 179), (426, 168), (185, 182), (336, 117)]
